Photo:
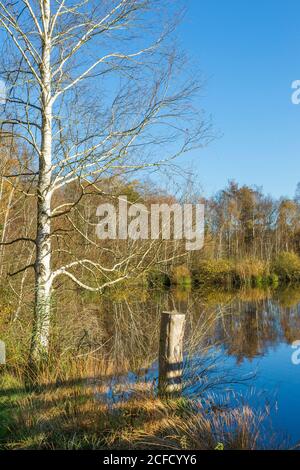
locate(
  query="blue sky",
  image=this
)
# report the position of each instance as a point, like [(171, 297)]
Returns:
[(249, 52)]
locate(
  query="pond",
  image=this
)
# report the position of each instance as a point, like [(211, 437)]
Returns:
[(243, 340), (257, 338), (238, 348)]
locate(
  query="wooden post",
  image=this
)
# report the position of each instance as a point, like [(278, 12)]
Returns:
[(171, 353)]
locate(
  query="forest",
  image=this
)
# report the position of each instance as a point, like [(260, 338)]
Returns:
[(250, 238)]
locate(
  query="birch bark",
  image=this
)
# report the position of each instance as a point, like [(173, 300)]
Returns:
[(41, 330)]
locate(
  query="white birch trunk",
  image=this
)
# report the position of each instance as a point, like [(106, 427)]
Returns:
[(43, 281)]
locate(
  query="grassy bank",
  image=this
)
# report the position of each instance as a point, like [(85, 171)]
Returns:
[(70, 412), (249, 272)]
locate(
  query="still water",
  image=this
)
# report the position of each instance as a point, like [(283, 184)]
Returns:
[(257, 338), (243, 340)]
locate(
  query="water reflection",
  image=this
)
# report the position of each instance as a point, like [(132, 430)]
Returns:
[(249, 330), (247, 324)]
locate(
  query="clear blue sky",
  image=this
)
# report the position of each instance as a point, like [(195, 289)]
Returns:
[(250, 52)]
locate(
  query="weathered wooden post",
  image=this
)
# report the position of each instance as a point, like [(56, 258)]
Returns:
[(171, 353)]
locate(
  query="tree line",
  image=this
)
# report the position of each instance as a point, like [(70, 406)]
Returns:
[(241, 221)]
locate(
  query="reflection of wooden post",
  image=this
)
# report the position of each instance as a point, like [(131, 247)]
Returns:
[(171, 353)]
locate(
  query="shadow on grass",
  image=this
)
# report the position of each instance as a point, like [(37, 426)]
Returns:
[(74, 414)]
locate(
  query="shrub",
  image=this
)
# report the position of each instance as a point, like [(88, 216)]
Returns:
[(220, 271), (287, 266), (181, 276), (252, 271), (247, 271)]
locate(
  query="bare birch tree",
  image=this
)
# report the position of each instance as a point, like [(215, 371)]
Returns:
[(95, 88)]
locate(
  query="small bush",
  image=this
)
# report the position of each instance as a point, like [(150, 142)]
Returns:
[(181, 276), (220, 271), (287, 266), (252, 271)]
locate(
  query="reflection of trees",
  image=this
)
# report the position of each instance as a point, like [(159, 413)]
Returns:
[(125, 330), (249, 328), (133, 326), (133, 332)]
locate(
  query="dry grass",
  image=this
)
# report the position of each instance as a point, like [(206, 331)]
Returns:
[(251, 268), (75, 414), (230, 273)]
